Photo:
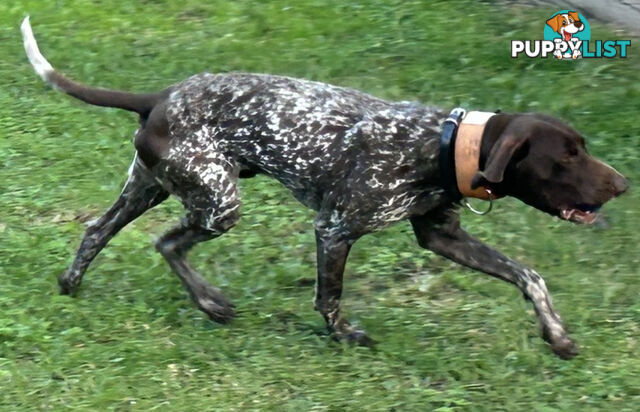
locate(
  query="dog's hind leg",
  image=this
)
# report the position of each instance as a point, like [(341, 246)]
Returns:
[(206, 184), (140, 193)]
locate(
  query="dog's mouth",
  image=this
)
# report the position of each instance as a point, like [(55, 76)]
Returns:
[(567, 36), (585, 214)]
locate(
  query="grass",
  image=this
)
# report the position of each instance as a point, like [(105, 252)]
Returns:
[(450, 339)]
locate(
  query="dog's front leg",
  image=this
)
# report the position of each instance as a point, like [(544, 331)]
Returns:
[(441, 233), (332, 252)]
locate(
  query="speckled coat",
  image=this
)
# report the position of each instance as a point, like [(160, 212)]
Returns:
[(362, 161)]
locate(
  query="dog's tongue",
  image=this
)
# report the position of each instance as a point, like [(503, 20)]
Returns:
[(567, 36)]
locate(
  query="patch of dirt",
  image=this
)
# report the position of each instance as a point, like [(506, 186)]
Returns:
[(622, 15)]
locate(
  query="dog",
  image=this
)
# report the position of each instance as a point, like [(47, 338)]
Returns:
[(360, 162), (566, 25)]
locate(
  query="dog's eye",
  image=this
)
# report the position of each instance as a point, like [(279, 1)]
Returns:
[(572, 152), (564, 23)]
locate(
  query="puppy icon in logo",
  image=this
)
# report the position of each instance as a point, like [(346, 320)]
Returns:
[(566, 24)]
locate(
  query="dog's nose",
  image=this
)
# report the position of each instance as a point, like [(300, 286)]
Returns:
[(578, 24), (621, 184)]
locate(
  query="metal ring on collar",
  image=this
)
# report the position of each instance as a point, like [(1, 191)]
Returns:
[(465, 201)]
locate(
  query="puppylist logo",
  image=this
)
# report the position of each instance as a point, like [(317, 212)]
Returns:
[(567, 36)]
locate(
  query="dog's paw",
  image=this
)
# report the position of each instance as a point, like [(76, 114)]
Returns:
[(360, 338), (215, 305), (344, 332), (67, 285), (564, 348)]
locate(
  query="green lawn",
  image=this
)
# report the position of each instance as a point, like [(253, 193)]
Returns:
[(450, 339)]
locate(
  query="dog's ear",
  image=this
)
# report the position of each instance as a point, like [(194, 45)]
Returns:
[(498, 160), (574, 15), (554, 22)]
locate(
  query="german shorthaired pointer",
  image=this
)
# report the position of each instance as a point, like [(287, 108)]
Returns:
[(360, 162)]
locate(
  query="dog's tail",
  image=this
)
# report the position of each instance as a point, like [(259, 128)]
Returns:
[(140, 103)]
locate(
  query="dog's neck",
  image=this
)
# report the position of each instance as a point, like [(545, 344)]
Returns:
[(465, 143), (468, 145)]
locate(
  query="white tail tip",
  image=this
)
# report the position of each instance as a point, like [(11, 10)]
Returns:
[(42, 67)]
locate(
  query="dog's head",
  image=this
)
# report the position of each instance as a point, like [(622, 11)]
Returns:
[(545, 163), (566, 24)]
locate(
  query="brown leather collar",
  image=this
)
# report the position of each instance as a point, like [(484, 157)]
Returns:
[(467, 153)]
